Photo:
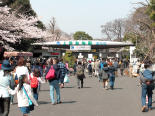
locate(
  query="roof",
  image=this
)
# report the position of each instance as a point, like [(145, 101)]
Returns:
[(10, 54), (93, 43)]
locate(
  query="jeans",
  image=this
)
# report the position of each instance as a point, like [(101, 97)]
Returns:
[(35, 93), (146, 90), (54, 85), (11, 99), (4, 106), (111, 81), (78, 82)]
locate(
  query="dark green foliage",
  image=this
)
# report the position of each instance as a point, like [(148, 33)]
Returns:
[(80, 35), (6, 2), (137, 41), (132, 37), (151, 10), (24, 45), (23, 7), (40, 25), (69, 58)]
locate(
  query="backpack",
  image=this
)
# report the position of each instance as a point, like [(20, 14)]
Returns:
[(79, 71), (51, 74), (34, 82), (104, 75)]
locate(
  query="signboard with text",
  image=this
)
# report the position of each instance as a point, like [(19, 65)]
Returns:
[(80, 47)]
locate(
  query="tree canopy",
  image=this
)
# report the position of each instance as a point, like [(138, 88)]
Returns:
[(21, 6), (80, 35)]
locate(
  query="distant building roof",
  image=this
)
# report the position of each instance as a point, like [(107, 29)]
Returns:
[(93, 43)]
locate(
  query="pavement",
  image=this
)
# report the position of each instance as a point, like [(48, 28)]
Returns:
[(92, 100)]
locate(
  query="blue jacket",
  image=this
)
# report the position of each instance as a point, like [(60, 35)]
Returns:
[(102, 65), (111, 71), (148, 74)]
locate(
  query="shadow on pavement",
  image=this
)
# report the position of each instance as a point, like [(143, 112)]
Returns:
[(87, 87), (70, 87), (118, 88), (44, 102), (68, 102), (153, 108)]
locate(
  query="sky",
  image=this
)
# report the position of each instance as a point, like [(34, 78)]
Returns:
[(83, 15)]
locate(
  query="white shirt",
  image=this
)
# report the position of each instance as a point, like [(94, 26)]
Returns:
[(5, 81), (21, 96), (22, 70)]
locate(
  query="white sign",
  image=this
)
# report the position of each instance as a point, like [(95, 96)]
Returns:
[(90, 56), (80, 55), (80, 47)]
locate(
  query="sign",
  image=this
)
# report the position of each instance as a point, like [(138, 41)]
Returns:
[(90, 56), (80, 56), (81, 47), (55, 53)]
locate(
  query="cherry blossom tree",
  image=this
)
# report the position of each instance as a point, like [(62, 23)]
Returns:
[(15, 27)]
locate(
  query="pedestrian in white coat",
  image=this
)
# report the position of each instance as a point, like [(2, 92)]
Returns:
[(24, 96)]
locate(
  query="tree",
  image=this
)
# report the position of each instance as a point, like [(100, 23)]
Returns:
[(80, 35), (52, 25), (69, 58), (16, 29), (22, 7), (54, 30), (139, 26), (114, 29)]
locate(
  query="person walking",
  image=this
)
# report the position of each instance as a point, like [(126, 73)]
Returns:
[(80, 74), (54, 82), (101, 66), (35, 81), (90, 69), (105, 76), (21, 68), (116, 67), (97, 66), (74, 67), (25, 98), (6, 80), (63, 72), (111, 75), (147, 84), (121, 67)]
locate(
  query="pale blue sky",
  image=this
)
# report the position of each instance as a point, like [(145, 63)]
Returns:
[(83, 15)]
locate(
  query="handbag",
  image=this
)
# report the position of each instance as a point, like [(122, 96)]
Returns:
[(66, 79), (51, 74), (31, 106)]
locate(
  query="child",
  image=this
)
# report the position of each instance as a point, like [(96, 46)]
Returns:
[(24, 96), (35, 82), (105, 76)]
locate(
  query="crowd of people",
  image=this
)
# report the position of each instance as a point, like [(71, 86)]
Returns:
[(24, 77)]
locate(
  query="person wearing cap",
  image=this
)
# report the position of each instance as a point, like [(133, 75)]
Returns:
[(5, 81)]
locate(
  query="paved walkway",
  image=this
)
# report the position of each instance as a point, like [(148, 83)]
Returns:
[(92, 100)]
